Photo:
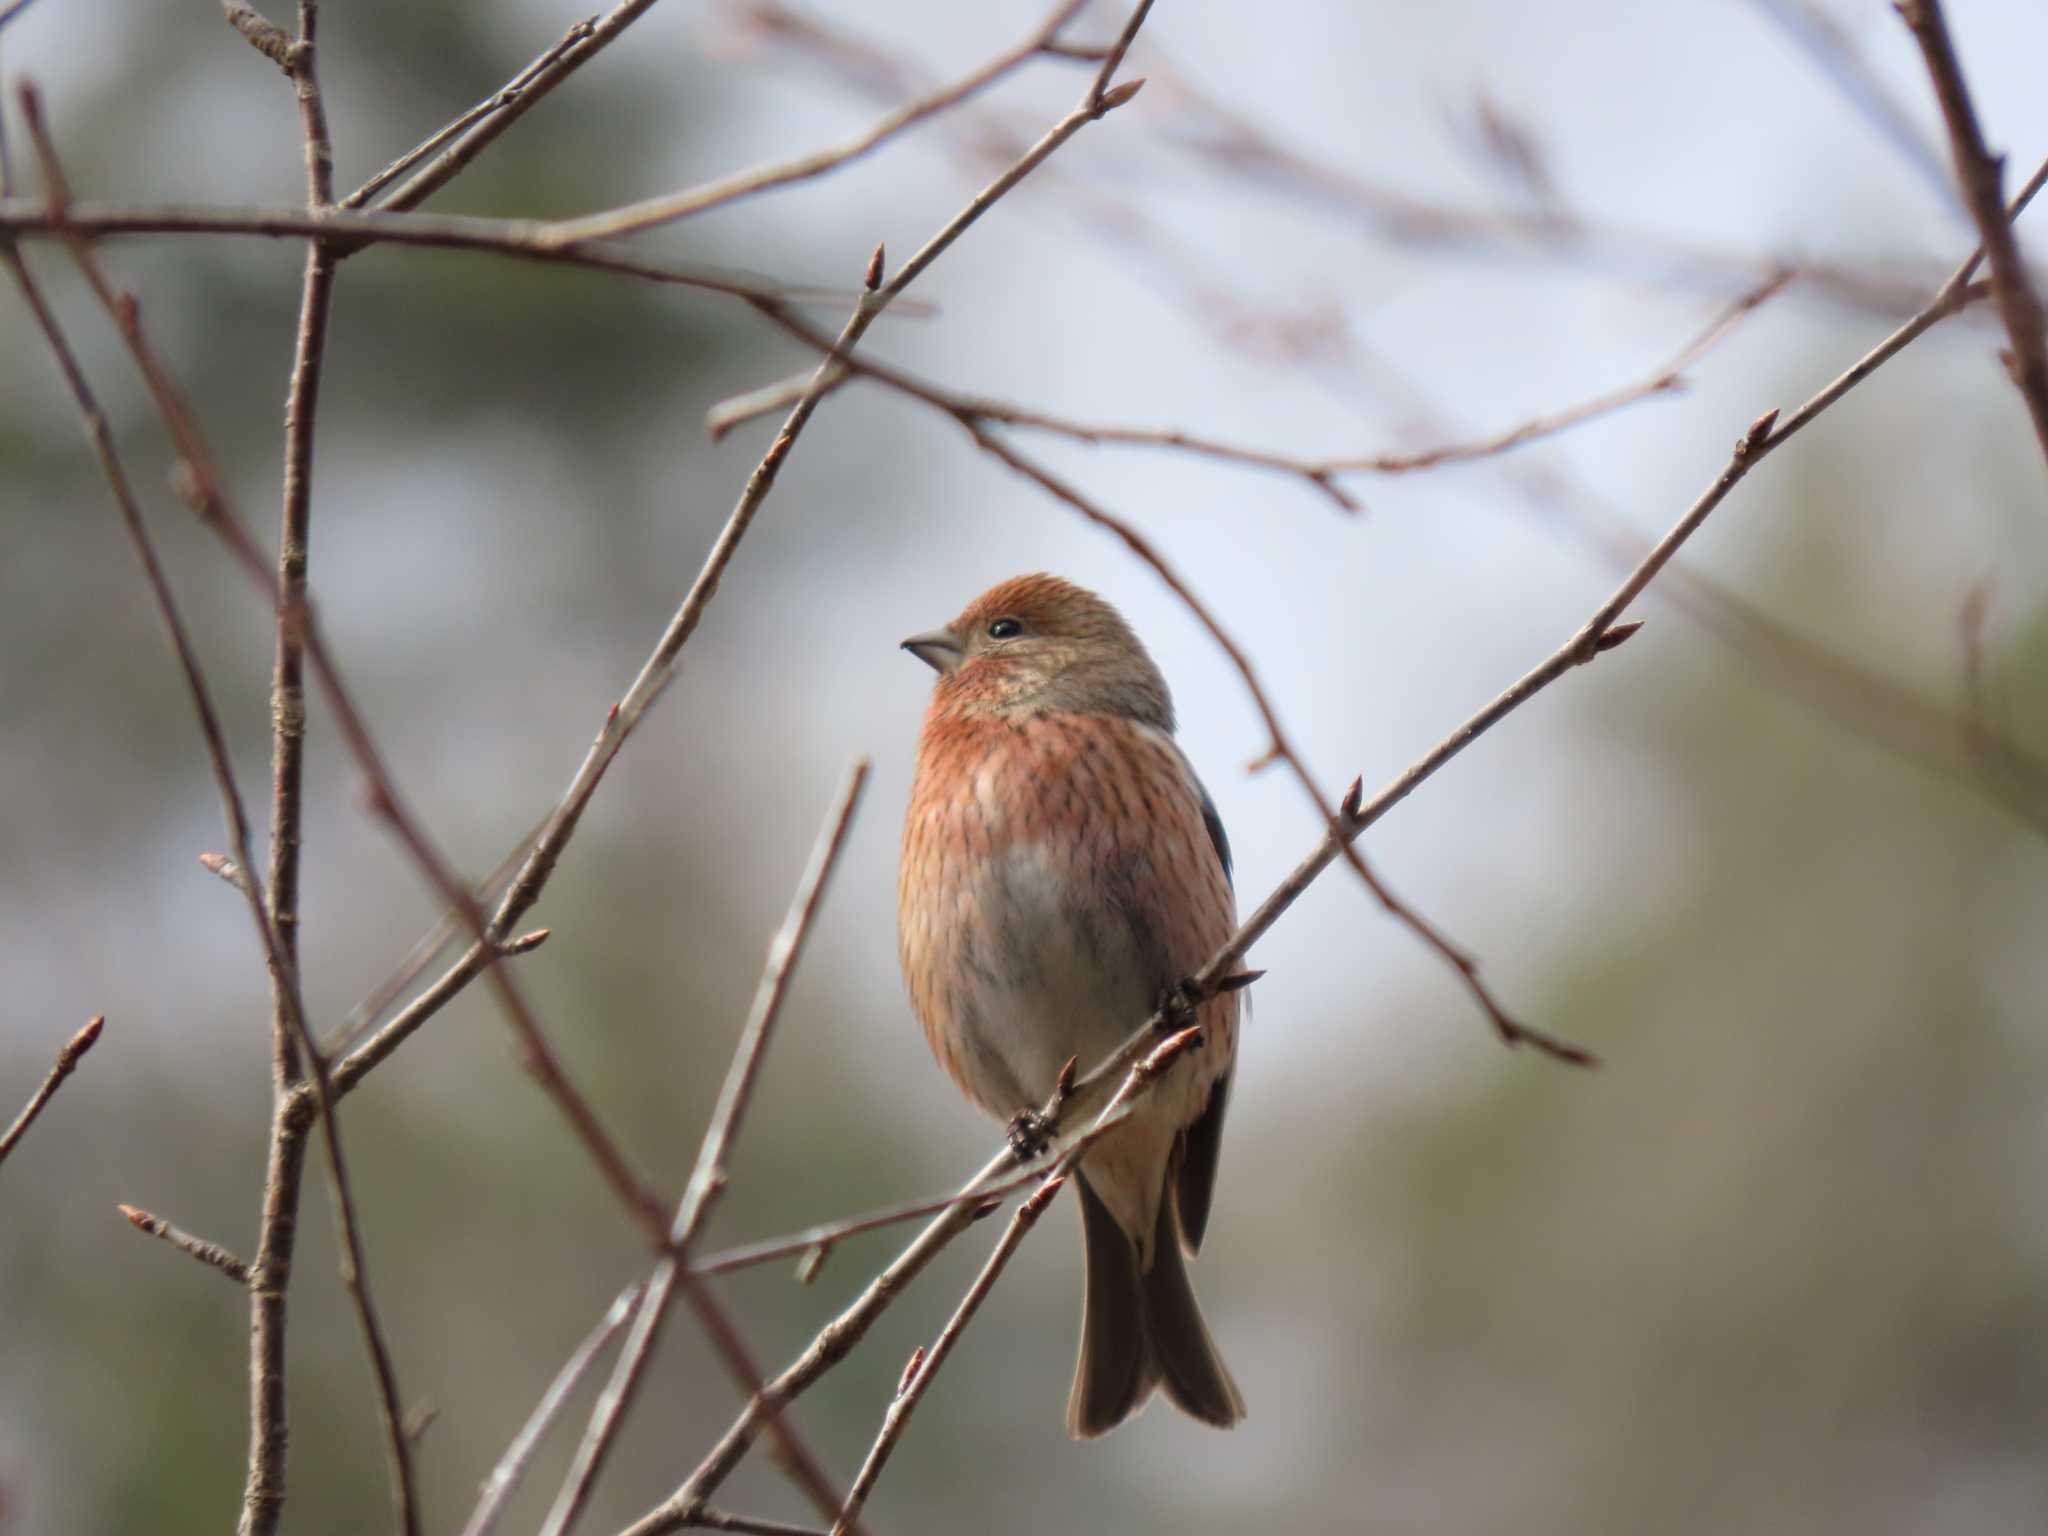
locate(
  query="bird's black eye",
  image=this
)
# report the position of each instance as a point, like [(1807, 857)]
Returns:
[(1004, 629)]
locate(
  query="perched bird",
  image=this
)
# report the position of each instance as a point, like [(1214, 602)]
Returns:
[(1063, 872)]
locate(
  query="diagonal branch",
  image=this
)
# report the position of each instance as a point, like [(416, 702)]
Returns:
[(925, 1365), (511, 1467), (68, 1056), (708, 1178), (532, 85), (1978, 172), (667, 209), (500, 99)]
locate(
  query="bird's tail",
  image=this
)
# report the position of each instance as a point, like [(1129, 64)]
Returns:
[(1142, 1330)]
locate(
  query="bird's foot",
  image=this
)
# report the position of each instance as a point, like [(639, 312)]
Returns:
[(1177, 1006), (1030, 1135)]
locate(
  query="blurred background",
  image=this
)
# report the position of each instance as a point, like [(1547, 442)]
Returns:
[(1781, 1263)]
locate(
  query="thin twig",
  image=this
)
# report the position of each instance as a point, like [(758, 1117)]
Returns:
[(983, 1195), (482, 132), (1669, 377), (656, 211), (925, 1365), (264, 1495), (212, 1254), (709, 1519), (366, 1013), (1138, 1063), (67, 1061), (268, 1356), (1978, 172), (864, 63), (707, 1180), (897, 1418), (1320, 474), (511, 1467), (348, 228), (203, 483), (798, 1463), (496, 102)]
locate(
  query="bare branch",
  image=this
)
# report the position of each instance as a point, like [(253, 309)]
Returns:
[(926, 1364), (67, 1062), (496, 102), (268, 1429), (1319, 474), (709, 1519), (348, 228), (211, 1254), (708, 1178), (511, 1467), (533, 85), (1665, 379), (211, 502), (656, 211), (1979, 174), (1232, 145)]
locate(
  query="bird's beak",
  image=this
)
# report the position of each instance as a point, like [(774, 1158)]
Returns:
[(937, 650)]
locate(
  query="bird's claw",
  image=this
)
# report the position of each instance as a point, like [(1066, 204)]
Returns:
[(1030, 1135), (1177, 1006)]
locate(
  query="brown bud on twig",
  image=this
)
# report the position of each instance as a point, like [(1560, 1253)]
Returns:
[(1063, 1085), (220, 864), (873, 279), (264, 35), (1117, 95), (418, 1421), (813, 1260), (910, 1370), (1353, 798), (527, 942), (1168, 1051), (1617, 635), (1238, 982), (1759, 431), (1035, 1204)]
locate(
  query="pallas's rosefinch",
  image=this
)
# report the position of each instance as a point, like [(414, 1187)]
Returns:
[(1063, 872)]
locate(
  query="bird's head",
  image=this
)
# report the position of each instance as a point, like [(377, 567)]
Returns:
[(1040, 645)]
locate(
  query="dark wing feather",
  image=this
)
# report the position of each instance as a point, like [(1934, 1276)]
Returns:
[(1202, 1143), (1215, 825)]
